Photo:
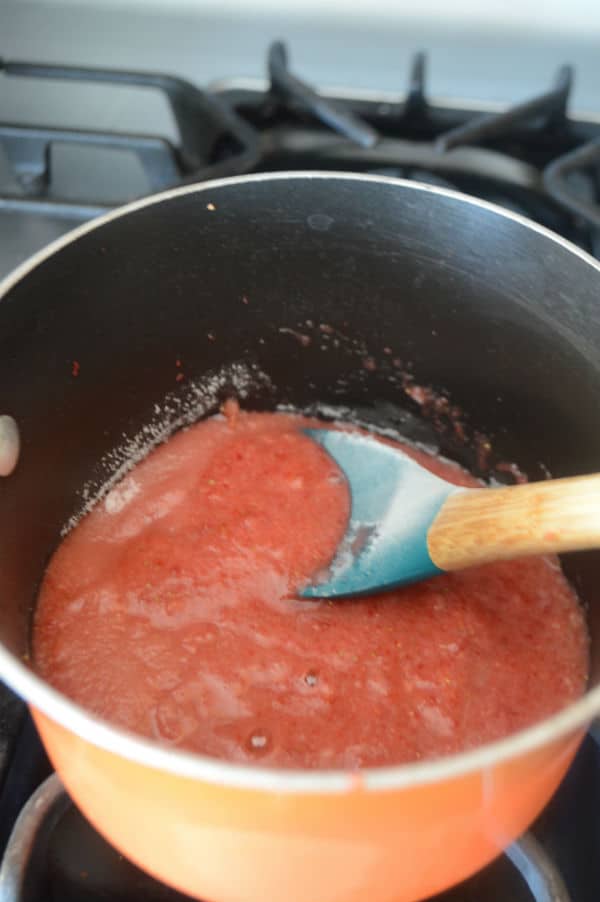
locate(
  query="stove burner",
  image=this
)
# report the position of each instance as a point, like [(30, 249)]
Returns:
[(531, 157)]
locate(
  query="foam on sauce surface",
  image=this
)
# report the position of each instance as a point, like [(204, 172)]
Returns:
[(170, 610)]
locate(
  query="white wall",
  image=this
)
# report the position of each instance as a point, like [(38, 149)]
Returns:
[(579, 16), (499, 50)]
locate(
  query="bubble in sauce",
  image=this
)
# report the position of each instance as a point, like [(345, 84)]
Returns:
[(258, 742), (311, 678), (9, 445), (169, 722)]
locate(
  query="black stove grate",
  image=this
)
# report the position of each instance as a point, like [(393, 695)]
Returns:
[(531, 157)]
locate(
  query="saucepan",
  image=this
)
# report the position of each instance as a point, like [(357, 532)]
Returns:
[(321, 291)]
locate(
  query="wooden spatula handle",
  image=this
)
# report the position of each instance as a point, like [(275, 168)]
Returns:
[(476, 526)]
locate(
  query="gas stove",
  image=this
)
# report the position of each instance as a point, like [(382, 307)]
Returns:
[(535, 158)]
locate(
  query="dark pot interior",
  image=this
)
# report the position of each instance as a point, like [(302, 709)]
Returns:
[(335, 288)]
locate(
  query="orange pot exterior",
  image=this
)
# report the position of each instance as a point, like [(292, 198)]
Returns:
[(227, 844)]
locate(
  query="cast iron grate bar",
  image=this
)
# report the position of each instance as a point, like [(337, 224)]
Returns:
[(416, 100), (314, 148), (74, 212), (190, 107), (290, 88), (29, 152), (551, 106), (556, 182)]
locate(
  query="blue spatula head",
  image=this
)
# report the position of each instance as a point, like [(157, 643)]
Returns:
[(394, 501)]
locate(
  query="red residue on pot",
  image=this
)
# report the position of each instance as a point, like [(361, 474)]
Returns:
[(303, 339), (483, 451), (459, 430), (418, 393), (513, 470), (75, 368), (179, 377), (447, 417), (245, 299), (435, 406), (231, 410)]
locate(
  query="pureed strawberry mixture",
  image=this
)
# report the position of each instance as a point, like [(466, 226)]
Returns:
[(170, 610)]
